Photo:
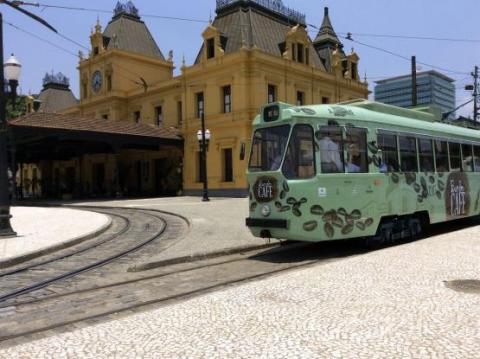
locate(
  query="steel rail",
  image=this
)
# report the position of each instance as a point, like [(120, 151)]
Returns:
[(113, 236), (73, 273)]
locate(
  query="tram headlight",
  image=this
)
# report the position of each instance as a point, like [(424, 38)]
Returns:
[(266, 210)]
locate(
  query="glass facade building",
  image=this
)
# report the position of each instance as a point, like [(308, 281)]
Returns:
[(433, 89)]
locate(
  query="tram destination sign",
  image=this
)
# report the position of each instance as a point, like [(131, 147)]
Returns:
[(265, 189)]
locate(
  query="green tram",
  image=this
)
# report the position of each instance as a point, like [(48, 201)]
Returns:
[(358, 169)]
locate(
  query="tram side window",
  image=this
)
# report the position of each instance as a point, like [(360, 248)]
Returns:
[(441, 156), (299, 161), (455, 158), (426, 155), (356, 146), (388, 144), (467, 158), (476, 158), (408, 154), (331, 149)]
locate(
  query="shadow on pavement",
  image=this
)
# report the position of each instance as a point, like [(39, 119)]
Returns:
[(296, 252)]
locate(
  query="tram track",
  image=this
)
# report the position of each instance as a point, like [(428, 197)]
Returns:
[(57, 309), (130, 239), (78, 249), (159, 286)]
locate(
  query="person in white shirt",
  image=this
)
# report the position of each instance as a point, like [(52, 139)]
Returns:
[(330, 155)]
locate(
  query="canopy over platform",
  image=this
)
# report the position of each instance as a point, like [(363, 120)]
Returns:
[(51, 136)]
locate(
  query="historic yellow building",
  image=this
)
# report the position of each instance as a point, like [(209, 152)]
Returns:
[(253, 52)]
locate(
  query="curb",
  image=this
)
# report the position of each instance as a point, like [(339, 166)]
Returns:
[(49, 250), (202, 256)]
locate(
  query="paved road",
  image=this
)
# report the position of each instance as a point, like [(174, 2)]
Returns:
[(395, 302)]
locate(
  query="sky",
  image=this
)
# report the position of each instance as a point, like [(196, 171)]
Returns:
[(453, 19)]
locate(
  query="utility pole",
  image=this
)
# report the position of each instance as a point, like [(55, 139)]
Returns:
[(475, 94), (414, 81)]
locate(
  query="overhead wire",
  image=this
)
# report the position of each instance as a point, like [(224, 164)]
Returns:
[(72, 53), (347, 37), (62, 7)]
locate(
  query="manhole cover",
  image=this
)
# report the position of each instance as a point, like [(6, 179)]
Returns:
[(465, 286)]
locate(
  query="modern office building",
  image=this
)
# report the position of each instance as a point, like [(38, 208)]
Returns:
[(433, 89)]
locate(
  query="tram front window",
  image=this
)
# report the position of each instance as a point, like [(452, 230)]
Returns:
[(300, 159), (268, 148)]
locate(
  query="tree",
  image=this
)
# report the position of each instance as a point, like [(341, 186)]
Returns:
[(20, 108)]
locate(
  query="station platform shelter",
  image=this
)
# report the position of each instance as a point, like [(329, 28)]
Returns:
[(59, 156)]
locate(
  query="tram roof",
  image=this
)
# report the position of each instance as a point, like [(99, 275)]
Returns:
[(422, 120)]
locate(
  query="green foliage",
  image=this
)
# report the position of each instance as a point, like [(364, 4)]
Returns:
[(20, 108)]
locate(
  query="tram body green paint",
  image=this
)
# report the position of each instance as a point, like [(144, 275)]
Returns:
[(324, 206)]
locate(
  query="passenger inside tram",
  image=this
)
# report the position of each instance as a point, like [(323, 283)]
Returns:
[(330, 149), (353, 159)]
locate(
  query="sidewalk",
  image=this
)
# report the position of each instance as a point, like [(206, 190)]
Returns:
[(42, 230), (391, 303)]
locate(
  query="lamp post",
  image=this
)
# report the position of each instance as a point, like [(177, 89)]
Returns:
[(11, 73), (203, 137)]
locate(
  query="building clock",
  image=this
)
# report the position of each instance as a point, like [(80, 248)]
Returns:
[(97, 81)]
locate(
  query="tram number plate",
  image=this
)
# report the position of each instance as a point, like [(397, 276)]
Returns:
[(265, 189)]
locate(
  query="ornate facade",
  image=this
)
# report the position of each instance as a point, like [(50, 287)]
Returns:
[(253, 52)]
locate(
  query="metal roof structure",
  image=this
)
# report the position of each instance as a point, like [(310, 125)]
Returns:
[(126, 31), (254, 24)]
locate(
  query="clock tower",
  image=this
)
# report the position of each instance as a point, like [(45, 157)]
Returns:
[(124, 59)]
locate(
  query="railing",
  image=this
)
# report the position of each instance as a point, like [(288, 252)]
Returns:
[(272, 5)]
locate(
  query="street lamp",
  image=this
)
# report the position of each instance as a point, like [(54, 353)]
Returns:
[(203, 137), (11, 73)]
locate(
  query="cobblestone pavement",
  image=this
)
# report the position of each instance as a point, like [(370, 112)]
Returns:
[(215, 226), (388, 303)]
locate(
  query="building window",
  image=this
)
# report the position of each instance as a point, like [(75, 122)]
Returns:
[(272, 93), (179, 113), (307, 56), (210, 48), (227, 99), (109, 82), (200, 105), (227, 165), (95, 50), (294, 52), (300, 52), (300, 98), (158, 116), (325, 100), (136, 116), (354, 71), (105, 116)]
